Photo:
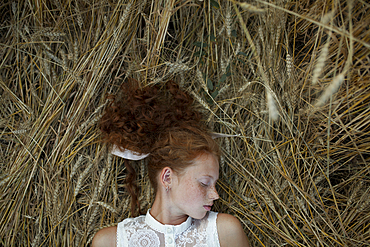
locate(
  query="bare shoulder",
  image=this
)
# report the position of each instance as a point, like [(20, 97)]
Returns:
[(230, 231), (105, 237)]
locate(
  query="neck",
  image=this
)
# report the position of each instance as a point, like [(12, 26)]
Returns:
[(164, 211)]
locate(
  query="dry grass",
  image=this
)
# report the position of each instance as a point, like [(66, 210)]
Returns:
[(292, 78)]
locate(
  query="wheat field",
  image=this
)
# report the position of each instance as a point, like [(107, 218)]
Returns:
[(290, 78)]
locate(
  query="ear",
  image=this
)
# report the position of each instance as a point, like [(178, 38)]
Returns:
[(166, 177)]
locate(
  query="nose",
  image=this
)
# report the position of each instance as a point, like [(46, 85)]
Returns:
[(213, 194)]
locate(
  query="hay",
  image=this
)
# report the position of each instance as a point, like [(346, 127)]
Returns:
[(291, 77)]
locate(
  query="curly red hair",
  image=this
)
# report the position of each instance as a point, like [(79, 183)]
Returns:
[(160, 120)]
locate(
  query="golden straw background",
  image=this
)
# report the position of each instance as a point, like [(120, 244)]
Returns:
[(291, 78)]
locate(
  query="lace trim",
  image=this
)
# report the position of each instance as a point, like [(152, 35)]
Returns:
[(137, 232), (144, 238), (122, 239)]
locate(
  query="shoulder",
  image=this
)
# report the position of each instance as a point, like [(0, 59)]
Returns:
[(105, 237), (230, 231)]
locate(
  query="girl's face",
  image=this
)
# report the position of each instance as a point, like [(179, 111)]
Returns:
[(193, 192)]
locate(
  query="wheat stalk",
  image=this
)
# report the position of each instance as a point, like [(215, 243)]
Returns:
[(250, 7), (228, 22), (320, 63), (330, 90), (273, 111), (288, 65), (107, 206), (81, 178)]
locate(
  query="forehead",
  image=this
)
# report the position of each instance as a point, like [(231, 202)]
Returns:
[(204, 165)]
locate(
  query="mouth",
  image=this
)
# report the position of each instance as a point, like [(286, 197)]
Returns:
[(207, 207)]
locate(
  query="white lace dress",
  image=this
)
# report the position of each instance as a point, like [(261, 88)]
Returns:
[(147, 231)]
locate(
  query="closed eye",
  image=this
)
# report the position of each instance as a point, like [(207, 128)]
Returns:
[(203, 184)]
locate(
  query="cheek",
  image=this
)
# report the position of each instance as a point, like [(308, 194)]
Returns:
[(194, 192)]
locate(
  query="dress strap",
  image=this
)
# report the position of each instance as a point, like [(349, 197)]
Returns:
[(212, 230), (122, 240)]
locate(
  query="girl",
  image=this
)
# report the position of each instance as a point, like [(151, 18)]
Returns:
[(162, 125)]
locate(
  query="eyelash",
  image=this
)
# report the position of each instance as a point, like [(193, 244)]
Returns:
[(203, 184)]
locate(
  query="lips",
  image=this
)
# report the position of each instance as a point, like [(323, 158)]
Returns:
[(207, 207)]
